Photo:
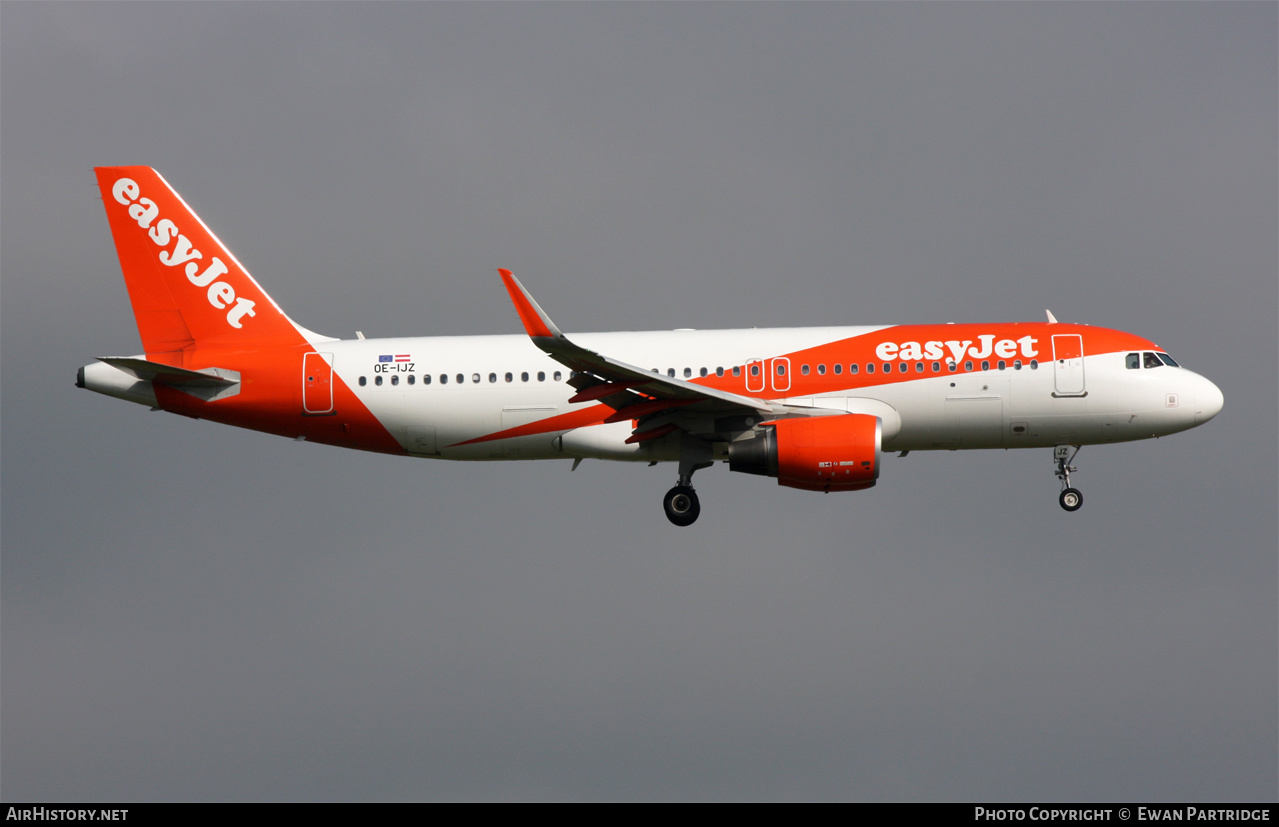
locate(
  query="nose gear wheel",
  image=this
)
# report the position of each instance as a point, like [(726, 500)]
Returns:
[(1071, 499)]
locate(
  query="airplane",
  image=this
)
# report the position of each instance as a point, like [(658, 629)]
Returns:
[(815, 408)]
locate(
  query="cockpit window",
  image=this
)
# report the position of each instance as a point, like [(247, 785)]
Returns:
[(1133, 361), (1167, 360), (1150, 360)]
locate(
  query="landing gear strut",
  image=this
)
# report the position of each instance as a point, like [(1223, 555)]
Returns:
[(680, 503), (1071, 498)]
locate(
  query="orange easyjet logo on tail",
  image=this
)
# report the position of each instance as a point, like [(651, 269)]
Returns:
[(163, 232)]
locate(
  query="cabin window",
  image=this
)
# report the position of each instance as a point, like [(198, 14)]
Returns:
[(1002, 364), (1017, 364), (1034, 364), (968, 365), (444, 378), (936, 367), (853, 367), (377, 380), (821, 370), (524, 376), (781, 369), (492, 378), (870, 367), (702, 372), (804, 370), (461, 379), (508, 376), (412, 379), (985, 364), (951, 366), (919, 367), (754, 370), (557, 376), (426, 379), (1133, 361), (737, 370), (888, 368), (719, 371), (395, 380), (541, 376), (363, 381), (903, 367), (838, 369), (688, 373), (670, 372)]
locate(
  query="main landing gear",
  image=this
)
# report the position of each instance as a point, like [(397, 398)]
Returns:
[(1071, 498), (682, 507), (681, 503)]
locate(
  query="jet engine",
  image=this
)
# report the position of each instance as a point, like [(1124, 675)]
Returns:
[(816, 453)]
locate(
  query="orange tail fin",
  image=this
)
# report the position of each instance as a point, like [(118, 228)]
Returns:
[(187, 289)]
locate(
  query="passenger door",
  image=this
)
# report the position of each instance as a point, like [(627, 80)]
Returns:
[(1068, 364), (317, 384)]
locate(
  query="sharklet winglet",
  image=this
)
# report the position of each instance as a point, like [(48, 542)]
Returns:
[(548, 338), (537, 324)]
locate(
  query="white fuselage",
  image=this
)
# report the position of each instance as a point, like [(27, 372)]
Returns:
[(506, 382)]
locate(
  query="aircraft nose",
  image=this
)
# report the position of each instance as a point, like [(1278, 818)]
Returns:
[(1209, 401)]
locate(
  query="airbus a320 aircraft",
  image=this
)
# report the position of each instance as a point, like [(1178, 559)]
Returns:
[(815, 408)]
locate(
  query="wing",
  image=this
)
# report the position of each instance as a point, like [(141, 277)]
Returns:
[(661, 404)]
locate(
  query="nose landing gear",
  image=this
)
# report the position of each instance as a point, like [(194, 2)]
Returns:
[(1071, 498)]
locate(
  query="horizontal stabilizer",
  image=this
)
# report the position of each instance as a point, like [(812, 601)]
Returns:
[(169, 375), (208, 384)]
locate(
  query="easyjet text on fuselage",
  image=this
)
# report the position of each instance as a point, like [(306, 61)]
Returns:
[(955, 349)]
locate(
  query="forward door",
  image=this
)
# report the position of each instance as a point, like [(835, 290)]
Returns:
[(1068, 364)]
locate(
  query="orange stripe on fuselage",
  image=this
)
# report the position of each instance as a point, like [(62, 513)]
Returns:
[(594, 415), (270, 400), (862, 350)]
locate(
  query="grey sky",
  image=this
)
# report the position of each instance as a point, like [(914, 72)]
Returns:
[(195, 612)]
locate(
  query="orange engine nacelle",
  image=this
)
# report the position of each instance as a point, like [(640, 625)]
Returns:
[(817, 453)]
